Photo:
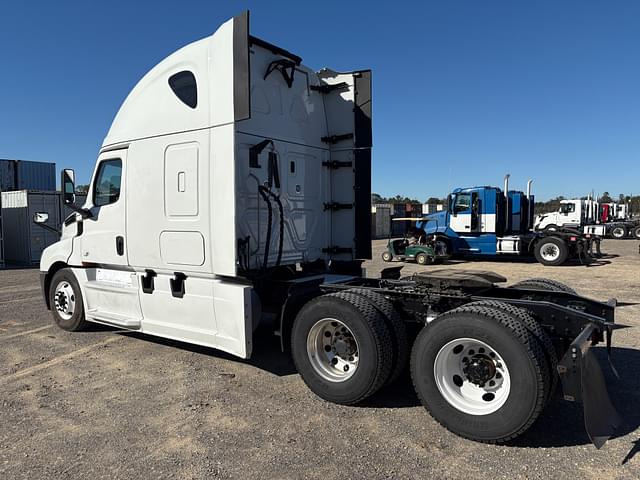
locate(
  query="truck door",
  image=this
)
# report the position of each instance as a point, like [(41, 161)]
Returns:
[(461, 213), (109, 286), (103, 239)]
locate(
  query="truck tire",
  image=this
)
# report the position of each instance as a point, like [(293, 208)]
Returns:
[(550, 228), (342, 347), (387, 256), (529, 321), (636, 232), (65, 298), (619, 231), (397, 329), (544, 284), (456, 358), (551, 251)]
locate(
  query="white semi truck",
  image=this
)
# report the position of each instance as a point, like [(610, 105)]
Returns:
[(234, 187), (591, 217)]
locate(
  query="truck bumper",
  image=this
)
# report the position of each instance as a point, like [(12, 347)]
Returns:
[(583, 381)]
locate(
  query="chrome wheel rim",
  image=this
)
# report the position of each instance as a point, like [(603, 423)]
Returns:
[(64, 300), (333, 350), (472, 376), (618, 232), (550, 252)]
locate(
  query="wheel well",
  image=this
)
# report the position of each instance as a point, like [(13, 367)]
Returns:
[(47, 280)]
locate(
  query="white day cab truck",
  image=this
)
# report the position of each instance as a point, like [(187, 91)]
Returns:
[(591, 217), (234, 187)]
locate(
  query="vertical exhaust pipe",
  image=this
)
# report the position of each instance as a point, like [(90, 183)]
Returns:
[(529, 188), (506, 202)]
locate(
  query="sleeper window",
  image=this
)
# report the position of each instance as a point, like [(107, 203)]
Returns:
[(184, 86), (107, 185)]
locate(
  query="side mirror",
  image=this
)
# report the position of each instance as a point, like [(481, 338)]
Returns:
[(40, 217), (68, 184)]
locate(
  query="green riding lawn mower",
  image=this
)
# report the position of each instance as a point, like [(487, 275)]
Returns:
[(416, 245)]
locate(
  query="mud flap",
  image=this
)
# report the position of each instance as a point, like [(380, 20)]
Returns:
[(583, 381)]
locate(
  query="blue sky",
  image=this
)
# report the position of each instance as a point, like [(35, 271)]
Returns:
[(464, 91)]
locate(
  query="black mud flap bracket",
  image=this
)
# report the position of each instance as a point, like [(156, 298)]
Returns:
[(583, 381), (147, 281), (177, 284)]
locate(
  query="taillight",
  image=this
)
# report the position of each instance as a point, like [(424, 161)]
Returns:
[(573, 239)]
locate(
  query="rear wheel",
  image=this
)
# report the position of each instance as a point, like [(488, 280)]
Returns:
[(551, 251), (342, 347), (619, 231), (527, 318), (480, 373), (544, 284), (397, 329), (65, 298), (636, 232), (386, 256)]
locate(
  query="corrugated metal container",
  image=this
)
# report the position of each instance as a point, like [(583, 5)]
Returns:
[(24, 241), (380, 222), (7, 175), (27, 175)]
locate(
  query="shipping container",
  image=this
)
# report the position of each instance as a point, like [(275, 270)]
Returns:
[(27, 175), (7, 175), (380, 221), (24, 241)]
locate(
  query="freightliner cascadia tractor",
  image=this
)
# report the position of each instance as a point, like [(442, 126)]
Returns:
[(233, 188)]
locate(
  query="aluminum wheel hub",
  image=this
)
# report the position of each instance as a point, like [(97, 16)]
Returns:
[(64, 300), (332, 349), (550, 252), (472, 376)]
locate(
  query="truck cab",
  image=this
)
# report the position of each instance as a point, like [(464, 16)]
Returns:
[(229, 164), (483, 221)]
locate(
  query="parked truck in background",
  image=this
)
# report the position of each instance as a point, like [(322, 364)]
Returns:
[(487, 222), (233, 188), (591, 217)]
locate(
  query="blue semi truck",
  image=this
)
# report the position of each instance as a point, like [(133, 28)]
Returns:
[(487, 221)]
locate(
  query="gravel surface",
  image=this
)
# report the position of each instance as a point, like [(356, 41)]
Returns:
[(112, 404)]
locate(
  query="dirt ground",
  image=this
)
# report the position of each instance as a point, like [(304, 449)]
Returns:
[(110, 404)]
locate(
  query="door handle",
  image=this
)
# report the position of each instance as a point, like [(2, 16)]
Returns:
[(120, 245)]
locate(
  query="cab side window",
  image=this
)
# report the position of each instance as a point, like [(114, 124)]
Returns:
[(567, 208), (106, 189), (462, 203)]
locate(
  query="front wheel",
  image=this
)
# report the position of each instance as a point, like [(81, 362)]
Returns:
[(618, 232), (386, 256), (480, 373), (551, 251), (65, 299)]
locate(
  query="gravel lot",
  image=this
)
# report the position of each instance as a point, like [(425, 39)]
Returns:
[(109, 404)]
